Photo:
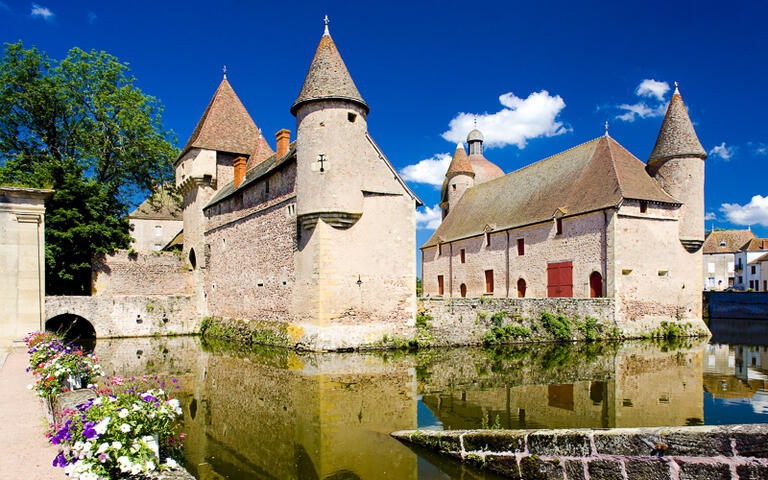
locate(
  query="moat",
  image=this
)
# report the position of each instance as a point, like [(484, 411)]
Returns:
[(257, 412)]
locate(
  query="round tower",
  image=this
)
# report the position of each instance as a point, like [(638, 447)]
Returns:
[(458, 178), (677, 163), (484, 170), (330, 138)]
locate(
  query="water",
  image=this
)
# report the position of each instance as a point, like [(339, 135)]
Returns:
[(271, 413)]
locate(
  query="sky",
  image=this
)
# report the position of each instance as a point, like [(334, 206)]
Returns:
[(539, 77)]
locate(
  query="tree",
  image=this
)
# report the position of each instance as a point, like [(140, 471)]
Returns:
[(83, 128)]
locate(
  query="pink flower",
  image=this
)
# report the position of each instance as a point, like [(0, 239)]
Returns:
[(117, 380)]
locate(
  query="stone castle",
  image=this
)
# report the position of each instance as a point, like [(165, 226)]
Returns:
[(592, 221)]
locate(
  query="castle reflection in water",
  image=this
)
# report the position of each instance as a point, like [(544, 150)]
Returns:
[(273, 413)]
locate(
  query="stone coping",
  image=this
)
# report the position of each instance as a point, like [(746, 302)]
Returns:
[(703, 452)]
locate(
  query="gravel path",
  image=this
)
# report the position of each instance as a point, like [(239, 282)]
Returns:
[(24, 451)]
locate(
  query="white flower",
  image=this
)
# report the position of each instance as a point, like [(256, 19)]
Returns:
[(150, 465), (136, 468), (125, 428), (123, 413), (97, 401), (171, 462), (117, 445), (125, 463), (30, 386), (101, 427), (102, 448)]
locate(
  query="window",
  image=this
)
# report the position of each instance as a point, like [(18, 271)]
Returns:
[(158, 247), (351, 117), (663, 273), (521, 246), (487, 239), (489, 281), (558, 226), (753, 269), (454, 187), (439, 284), (765, 285), (266, 186), (643, 206), (710, 267), (158, 230), (722, 243), (463, 256), (730, 267), (741, 279), (291, 209), (752, 284)]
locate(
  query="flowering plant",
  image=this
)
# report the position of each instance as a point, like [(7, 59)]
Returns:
[(59, 366), (125, 430)]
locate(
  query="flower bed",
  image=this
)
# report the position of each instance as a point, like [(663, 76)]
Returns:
[(126, 429)]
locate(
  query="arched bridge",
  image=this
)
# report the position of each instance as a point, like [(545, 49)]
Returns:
[(123, 315)]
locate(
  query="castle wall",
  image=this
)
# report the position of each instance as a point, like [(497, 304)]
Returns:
[(145, 233), (158, 273), (251, 244), (683, 179)]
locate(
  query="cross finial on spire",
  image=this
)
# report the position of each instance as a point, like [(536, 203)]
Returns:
[(326, 21), (225, 71), (676, 90), (606, 129)]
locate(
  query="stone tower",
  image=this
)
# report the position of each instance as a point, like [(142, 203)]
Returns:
[(355, 260), (484, 169), (677, 163), (458, 178), (223, 133)]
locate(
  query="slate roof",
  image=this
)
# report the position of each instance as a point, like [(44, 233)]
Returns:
[(328, 78), (755, 245), (225, 125), (734, 240), (677, 136), (163, 204), (589, 177), (260, 170)]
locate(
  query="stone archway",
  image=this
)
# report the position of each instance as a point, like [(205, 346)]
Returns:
[(72, 327)]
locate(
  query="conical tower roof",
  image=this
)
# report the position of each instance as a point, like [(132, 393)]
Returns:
[(677, 138), (459, 163), (225, 125), (328, 77)]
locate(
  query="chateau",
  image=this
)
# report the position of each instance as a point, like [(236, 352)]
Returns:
[(294, 235), (592, 221)]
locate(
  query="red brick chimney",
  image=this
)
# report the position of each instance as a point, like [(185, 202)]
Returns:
[(239, 170), (283, 141)]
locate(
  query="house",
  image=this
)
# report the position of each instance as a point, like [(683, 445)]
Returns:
[(747, 267), (156, 221), (591, 221), (720, 248)]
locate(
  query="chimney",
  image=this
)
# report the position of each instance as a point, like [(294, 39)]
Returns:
[(283, 141), (239, 170)]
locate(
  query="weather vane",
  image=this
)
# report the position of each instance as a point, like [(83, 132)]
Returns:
[(225, 71), (606, 128), (326, 21)]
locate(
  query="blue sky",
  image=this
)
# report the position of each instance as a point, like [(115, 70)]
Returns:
[(540, 76)]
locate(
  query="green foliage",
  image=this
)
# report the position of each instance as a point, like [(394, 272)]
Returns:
[(559, 326), (484, 423), (422, 319), (418, 287), (81, 127), (498, 317), (505, 334), (590, 328)]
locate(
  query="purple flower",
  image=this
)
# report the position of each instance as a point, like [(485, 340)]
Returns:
[(60, 460)]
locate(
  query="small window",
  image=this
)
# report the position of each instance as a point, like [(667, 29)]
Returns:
[(158, 230), (266, 186), (753, 269), (643, 206), (351, 117), (626, 271), (463, 256), (559, 226), (487, 239), (722, 243), (521, 246), (440, 285), (663, 273), (489, 281), (454, 187)]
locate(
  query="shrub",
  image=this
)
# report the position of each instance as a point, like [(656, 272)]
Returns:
[(558, 326), (505, 334)]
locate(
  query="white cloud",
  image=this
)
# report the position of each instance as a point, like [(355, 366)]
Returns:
[(429, 218), (723, 151), (430, 170), (652, 88), (710, 216), (755, 212), (642, 110), (40, 11), (519, 121), (92, 17)]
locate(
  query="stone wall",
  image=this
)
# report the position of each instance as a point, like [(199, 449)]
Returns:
[(744, 305), (702, 453), (147, 237), (125, 273), (129, 315)]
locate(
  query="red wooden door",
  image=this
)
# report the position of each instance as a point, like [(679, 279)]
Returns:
[(560, 279)]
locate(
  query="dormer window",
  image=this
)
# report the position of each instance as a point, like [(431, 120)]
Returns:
[(722, 243), (559, 226), (643, 206)]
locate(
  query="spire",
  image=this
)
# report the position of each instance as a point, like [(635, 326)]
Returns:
[(225, 125), (328, 77), (459, 163), (606, 129), (326, 21), (677, 137)]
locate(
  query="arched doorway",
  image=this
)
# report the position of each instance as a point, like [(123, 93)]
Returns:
[(463, 290), (595, 285), (74, 328), (192, 258), (521, 288)]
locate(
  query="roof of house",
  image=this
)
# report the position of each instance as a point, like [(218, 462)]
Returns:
[(484, 169), (225, 125), (260, 170), (261, 152), (591, 176), (328, 78), (726, 241), (459, 163), (755, 245), (163, 204), (176, 241), (761, 258), (677, 136)]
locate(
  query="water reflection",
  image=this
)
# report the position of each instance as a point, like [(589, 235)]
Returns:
[(272, 413)]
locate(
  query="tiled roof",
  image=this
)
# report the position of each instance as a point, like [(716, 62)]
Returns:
[(260, 170), (733, 239), (261, 152), (163, 204), (225, 125), (755, 245), (677, 136), (484, 169), (592, 176), (328, 78), (459, 163)]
